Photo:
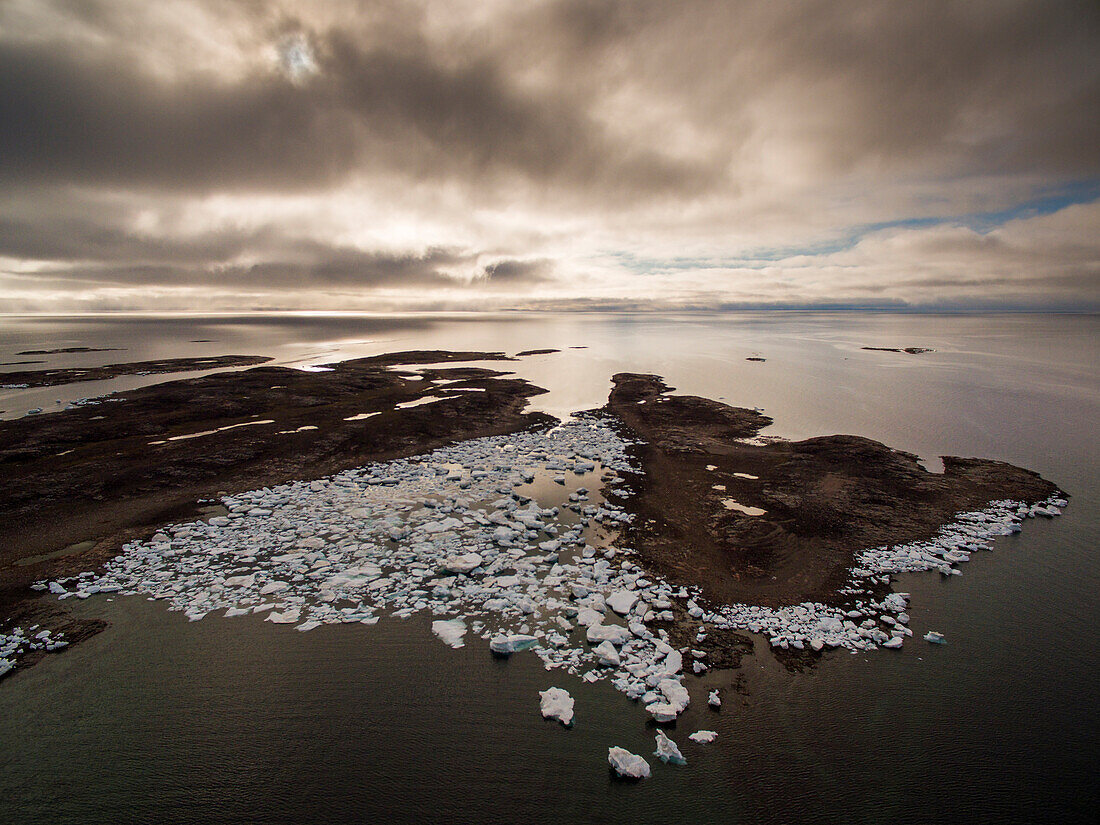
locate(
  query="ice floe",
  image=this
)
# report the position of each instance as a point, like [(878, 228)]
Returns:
[(452, 533), (667, 751), (865, 623), (477, 535), (627, 764), (507, 645), (451, 632), (556, 703), (703, 737), (16, 641)]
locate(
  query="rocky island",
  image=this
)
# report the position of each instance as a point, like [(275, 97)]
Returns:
[(693, 532)]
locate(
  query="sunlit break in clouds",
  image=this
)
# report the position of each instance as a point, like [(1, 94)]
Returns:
[(549, 154), (296, 57)]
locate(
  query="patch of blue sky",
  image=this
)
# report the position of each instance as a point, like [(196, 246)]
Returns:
[(1046, 202)]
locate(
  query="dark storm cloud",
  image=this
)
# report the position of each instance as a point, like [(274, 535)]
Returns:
[(566, 136), (513, 272), (985, 83), (332, 267), (289, 265), (103, 247), (65, 119), (95, 121), (999, 85), (84, 239), (1007, 86)]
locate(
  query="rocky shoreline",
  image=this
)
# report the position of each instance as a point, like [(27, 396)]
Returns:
[(773, 522), (72, 375), (708, 531), (89, 479)]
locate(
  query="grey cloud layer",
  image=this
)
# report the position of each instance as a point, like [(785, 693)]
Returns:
[(64, 118), (600, 128)]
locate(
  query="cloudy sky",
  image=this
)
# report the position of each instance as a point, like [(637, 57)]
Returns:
[(212, 154)]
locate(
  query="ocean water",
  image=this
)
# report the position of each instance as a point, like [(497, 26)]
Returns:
[(161, 720)]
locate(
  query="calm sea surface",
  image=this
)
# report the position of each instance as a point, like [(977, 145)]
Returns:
[(162, 720)]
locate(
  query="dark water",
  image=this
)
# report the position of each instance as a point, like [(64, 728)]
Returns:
[(161, 720)]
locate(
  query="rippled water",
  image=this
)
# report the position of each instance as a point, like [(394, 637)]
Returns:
[(161, 720)]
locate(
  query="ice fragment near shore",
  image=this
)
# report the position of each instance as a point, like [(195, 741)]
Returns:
[(703, 737), (507, 645), (556, 703), (621, 601), (667, 751), (613, 633), (627, 764), (935, 638), (286, 617), (462, 564), (608, 655), (451, 632), (17, 641), (675, 693)]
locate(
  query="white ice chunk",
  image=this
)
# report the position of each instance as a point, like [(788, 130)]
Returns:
[(608, 655), (588, 617), (462, 564), (675, 693), (621, 601), (556, 703), (286, 617), (451, 632), (667, 751), (663, 712), (627, 764), (613, 633), (507, 645)]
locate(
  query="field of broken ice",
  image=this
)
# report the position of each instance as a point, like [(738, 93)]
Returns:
[(500, 539)]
